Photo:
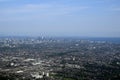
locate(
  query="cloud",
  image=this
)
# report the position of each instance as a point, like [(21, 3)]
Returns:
[(27, 11), (42, 7)]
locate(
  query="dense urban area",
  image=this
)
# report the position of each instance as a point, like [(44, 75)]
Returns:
[(30, 58)]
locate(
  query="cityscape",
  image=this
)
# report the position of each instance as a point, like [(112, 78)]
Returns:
[(59, 39), (45, 58)]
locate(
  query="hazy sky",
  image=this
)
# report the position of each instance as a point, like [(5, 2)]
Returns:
[(93, 18)]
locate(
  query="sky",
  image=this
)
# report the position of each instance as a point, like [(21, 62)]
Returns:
[(83, 18)]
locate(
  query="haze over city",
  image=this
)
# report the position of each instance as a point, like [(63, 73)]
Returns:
[(92, 18), (59, 39)]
